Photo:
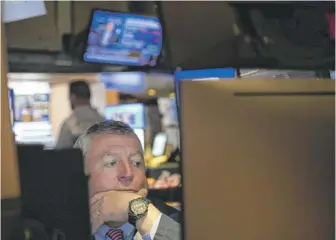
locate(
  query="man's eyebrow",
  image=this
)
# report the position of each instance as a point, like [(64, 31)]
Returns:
[(136, 153), (102, 154)]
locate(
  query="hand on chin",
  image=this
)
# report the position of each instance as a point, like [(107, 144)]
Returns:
[(111, 207)]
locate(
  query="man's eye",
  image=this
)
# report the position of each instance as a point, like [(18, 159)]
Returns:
[(110, 164), (109, 161), (136, 163)]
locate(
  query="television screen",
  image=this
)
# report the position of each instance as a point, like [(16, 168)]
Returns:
[(123, 38), (132, 114), (141, 135), (159, 144)]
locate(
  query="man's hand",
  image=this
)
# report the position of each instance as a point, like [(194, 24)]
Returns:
[(112, 207)]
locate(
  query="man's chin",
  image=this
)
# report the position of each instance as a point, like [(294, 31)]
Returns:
[(114, 224), (128, 190)]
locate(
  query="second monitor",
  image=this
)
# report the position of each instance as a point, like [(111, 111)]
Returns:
[(258, 159)]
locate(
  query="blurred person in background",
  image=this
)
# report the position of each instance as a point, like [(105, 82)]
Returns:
[(118, 188), (82, 117)]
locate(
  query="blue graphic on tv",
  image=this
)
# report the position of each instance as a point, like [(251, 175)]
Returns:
[(125, 39), (205, 73), (126, 82), (132, 114), (41, 98)]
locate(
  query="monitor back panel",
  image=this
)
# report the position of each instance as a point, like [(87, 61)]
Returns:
[(258, 159), (55, 191)]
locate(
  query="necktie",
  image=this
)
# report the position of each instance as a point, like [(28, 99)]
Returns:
[(115, 234)]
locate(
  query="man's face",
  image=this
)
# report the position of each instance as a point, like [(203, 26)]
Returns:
[(115, 162)]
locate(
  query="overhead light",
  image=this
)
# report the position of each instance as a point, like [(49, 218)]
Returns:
[(29, 87), (151, 92), (29, 76)]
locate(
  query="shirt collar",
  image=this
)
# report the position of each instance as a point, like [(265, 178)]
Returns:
[(127, 229)]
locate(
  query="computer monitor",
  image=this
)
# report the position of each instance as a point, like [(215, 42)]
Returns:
[(132, 114), (159, 144), (54, 191), (141, 135), (214, 74), (258, 159), (123, 38)]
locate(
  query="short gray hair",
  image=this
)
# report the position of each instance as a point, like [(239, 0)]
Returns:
[(105, 127)]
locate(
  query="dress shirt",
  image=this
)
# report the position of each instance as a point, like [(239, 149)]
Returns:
[(128, 230)]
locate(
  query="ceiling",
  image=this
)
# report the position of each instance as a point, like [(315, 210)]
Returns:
[(213, 34), (45, 32)]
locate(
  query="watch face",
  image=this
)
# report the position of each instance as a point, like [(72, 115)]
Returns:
[(138, 207)]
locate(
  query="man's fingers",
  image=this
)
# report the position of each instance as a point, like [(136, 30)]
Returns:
[(97, 197), (96, 205), (143, 192)]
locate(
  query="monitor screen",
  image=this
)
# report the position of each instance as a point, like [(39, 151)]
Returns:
[(123, 38), (159, 144), (132, 114), (141, 135)]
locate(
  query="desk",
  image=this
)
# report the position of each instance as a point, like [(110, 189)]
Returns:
[(156, 172)]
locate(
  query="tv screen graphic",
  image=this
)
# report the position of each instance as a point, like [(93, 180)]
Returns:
[(123, 39), (132, 114)]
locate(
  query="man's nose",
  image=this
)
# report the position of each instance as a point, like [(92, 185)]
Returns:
[(125, 174)]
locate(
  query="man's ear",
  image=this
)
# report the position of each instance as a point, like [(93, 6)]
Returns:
[(86, 167)]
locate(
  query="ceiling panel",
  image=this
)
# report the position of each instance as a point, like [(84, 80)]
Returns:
[(35, 33), (44, 33), (194, 28)]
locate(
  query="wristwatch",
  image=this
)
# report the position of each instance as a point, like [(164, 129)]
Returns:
[(137, 208)]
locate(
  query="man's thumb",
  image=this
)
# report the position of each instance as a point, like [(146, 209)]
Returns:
[(143, 192)]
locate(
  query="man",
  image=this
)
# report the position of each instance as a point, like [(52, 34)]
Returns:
[(118, 187), (82, 117)]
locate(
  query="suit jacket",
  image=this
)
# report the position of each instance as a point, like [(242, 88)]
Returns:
[(169, 227), (166, 209)]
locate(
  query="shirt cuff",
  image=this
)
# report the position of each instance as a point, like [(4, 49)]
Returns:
[(152, 233)]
